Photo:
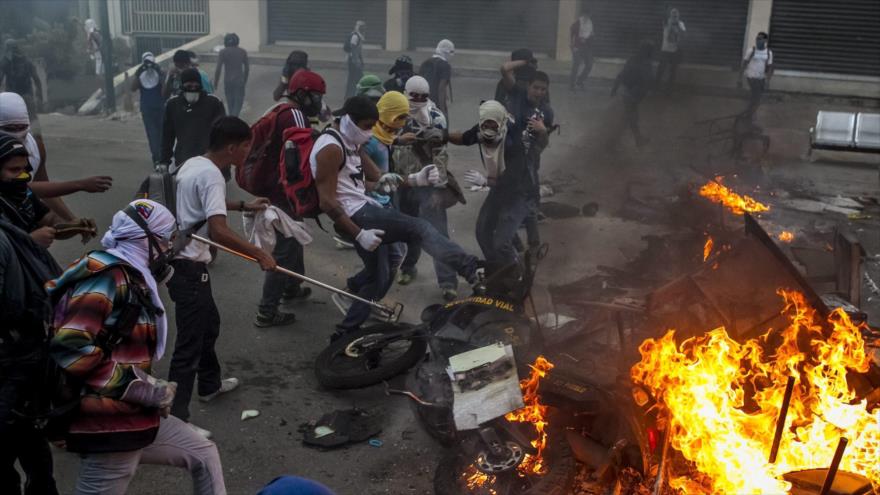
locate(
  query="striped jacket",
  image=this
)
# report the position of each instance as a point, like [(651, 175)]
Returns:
[(90, 295)]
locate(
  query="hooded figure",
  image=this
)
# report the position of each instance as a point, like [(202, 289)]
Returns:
[(148, 80), (371, 87), (402, 70), (186, 124), (437, 71), (492, 137), (129, 242), (14, 121), (20, 76), (420, 105), (393, 110)]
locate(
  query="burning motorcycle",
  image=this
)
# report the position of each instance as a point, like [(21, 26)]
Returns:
[(505, 436)]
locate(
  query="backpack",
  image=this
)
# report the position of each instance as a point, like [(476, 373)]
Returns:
[(346, 45), (295, 169), (259, 174), (161, 187)]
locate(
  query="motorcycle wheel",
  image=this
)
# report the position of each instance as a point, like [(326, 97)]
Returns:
[(343, 365), (450, 478)]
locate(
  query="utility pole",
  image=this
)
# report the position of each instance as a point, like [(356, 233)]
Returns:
[(107, 56)]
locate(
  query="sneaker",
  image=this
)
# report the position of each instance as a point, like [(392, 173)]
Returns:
[(450, 295), (265, 320), (298, 293), (406, 278), (341, 302), (226, 385), (206, 434)]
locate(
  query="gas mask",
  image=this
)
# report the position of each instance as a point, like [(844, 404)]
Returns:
[(159, 261), (192, 96), (489, 135), (310, 103)]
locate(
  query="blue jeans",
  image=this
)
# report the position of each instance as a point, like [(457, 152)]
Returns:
[(376, 277), (234, 97), (500, 217), (427, 203), (152, 117), (288, 253)]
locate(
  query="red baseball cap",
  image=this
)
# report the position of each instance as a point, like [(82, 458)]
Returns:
[(307, 80)]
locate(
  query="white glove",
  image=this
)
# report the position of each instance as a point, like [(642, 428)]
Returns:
[(389, 183), (476, 178), (428, 176), (370, 239)]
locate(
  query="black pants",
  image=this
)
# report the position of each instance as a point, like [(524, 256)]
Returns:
[(198, 326), (756, 87), (668, 61), (19, 440), (582, 55), (288, 253)]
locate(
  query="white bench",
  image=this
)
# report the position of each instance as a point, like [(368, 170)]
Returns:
[(846, 131)]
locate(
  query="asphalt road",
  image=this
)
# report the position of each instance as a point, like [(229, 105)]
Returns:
[(275, 365)]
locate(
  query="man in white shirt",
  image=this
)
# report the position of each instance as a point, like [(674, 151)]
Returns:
[(758, 69), (202, 207), (581, 43), (342, 173), (670, 51)]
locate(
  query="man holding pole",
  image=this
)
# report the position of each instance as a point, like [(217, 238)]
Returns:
[(201, 208)]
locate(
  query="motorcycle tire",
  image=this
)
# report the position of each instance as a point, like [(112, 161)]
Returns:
[(562, 467), (335, 369)]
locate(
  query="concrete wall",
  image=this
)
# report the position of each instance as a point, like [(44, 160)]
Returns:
[(247, 18), (397, 25), (759, 20), (568, 12)]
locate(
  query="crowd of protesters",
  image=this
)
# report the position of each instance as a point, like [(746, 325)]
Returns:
[(381, 173)]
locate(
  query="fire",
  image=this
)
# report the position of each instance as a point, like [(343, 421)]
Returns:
[(474, 478), (707, 248), (535, 413), (786, 236), (721, 400), (738, 204)]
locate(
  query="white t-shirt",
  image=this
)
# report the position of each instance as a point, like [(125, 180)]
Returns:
[(201, 194), (757, 67), (350, 188), (671, 36)]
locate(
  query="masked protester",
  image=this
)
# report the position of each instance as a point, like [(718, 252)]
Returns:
[(371, 87), (183, 60), (186, 125), (428, 124), (201, 207), (522, 74), (513, 199), (670, 50), (637, 80), (123, 419), (758, 69), (401, 71), (235, 59), (21, 77), (25, 311), (148, 80), (393, 110), (437, 71), (94, 40), (342, 195), (304, 101)]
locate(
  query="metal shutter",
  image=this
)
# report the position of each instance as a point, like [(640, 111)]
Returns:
[(836, 36), (325, 21), (503, 25), (715, 28)]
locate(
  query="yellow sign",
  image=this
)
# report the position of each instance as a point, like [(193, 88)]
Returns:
[(483, 301)]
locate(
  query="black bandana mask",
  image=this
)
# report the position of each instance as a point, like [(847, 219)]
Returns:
[(15, 190)]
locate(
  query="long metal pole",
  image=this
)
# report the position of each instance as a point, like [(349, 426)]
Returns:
[(107, 58), (835, 464), (780, 421), (385, 309)]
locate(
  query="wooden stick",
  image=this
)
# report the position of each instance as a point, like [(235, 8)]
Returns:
[(835, 463), (780, 421)]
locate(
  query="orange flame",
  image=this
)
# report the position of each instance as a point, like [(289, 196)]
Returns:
[(738, 204), (707, 248), (786, 236), (535, 413), (722, 398), (474, 478)]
